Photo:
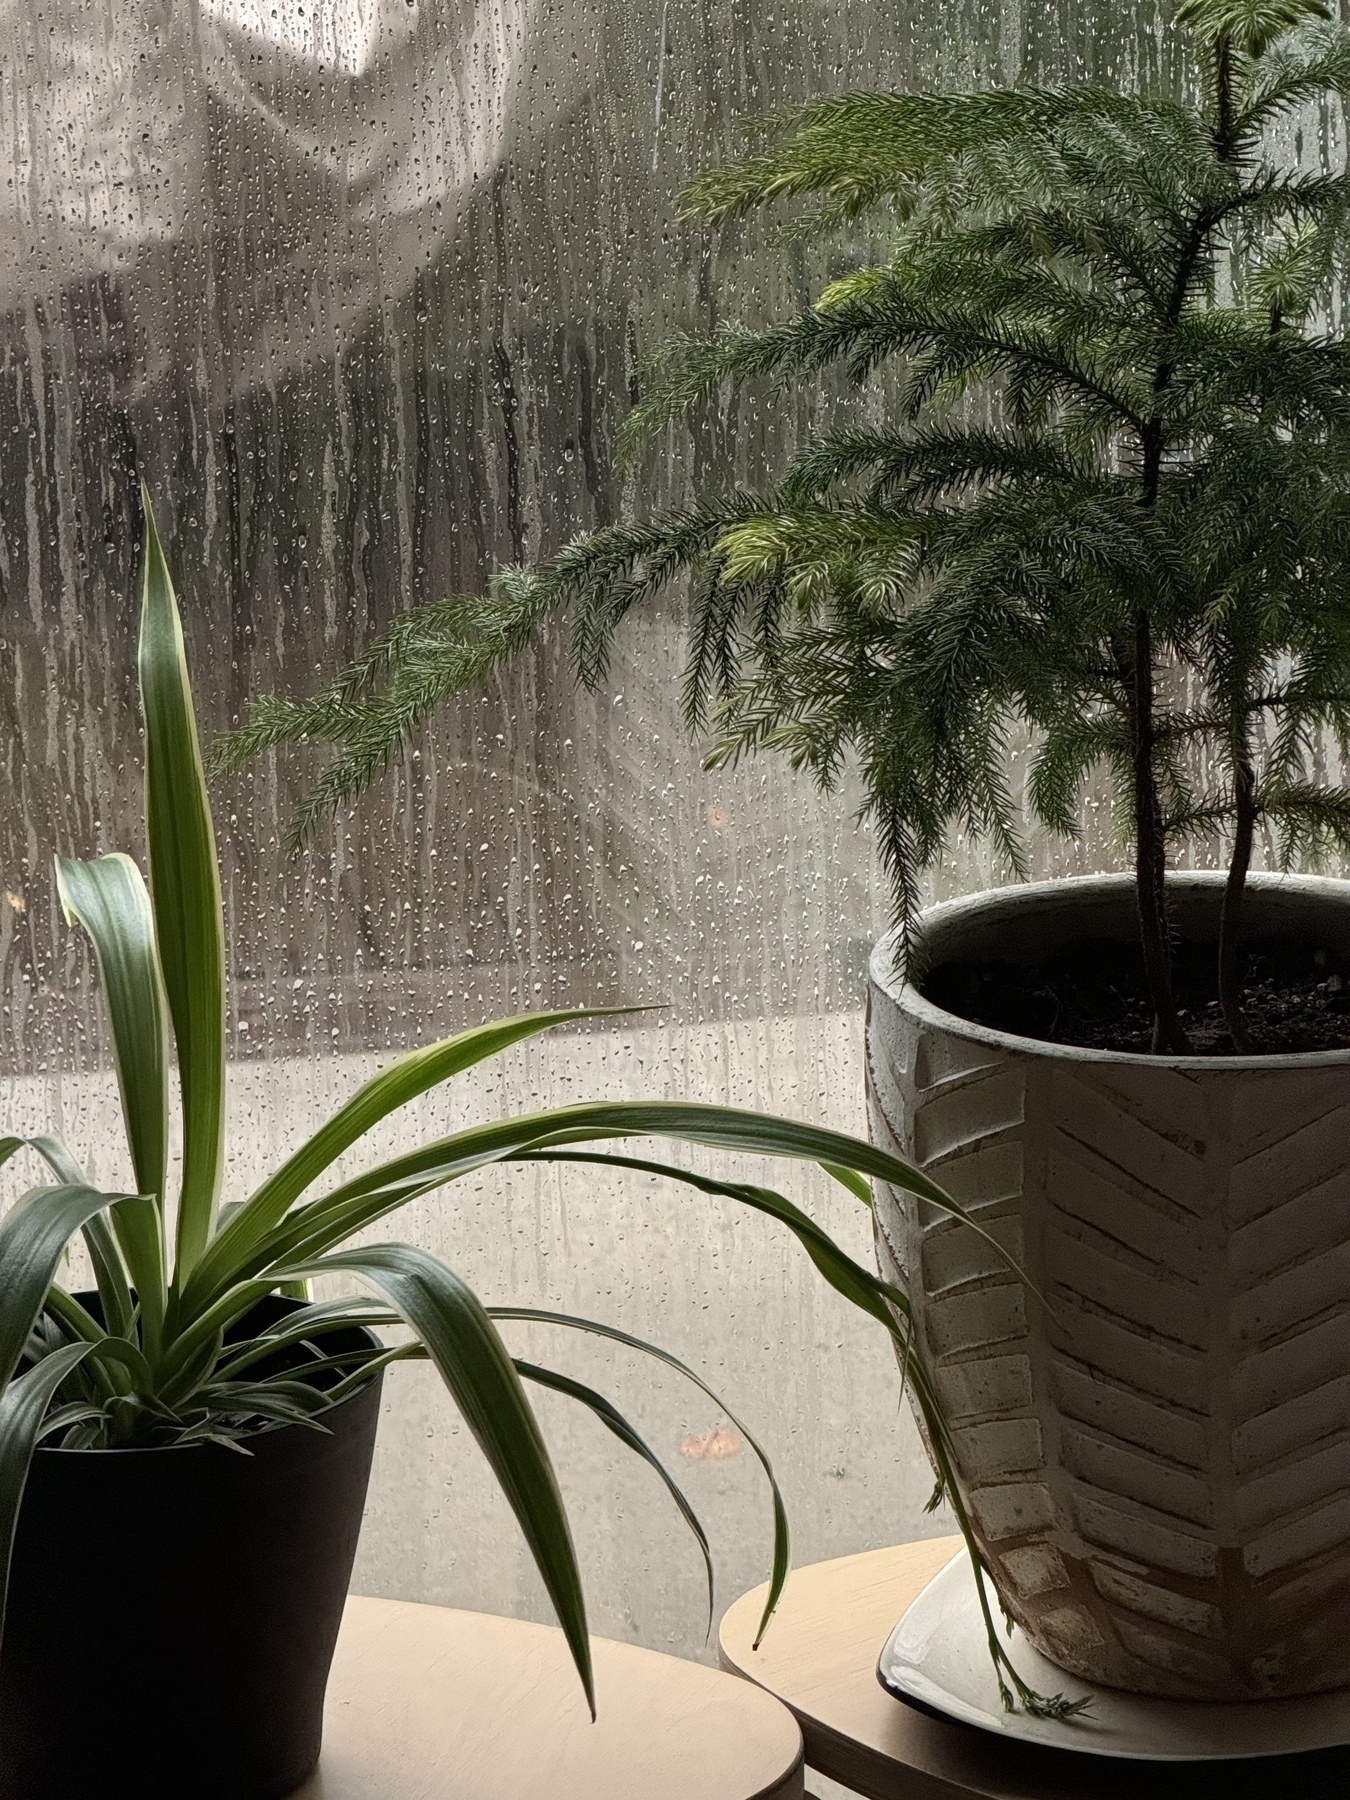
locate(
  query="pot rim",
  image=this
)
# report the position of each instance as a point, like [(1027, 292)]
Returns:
[(903, 992), (268, 1430)]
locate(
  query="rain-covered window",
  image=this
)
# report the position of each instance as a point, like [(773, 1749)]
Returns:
[(362, 289)]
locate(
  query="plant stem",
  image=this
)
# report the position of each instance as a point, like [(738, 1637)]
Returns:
[(1150, 835), (1150, 846), (1223, 83), (1230, 986)]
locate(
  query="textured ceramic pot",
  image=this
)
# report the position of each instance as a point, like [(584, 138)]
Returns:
[(1159, 1469)]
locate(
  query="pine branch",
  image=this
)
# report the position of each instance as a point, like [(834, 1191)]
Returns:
[(1312, 820), (1111, 444), (931, 463), (1311, 61), (1071, 746), (860, 148), (427, 656)]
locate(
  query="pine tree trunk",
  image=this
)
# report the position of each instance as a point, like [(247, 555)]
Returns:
[(1244, 776), (1150, 850), (1230, 919)]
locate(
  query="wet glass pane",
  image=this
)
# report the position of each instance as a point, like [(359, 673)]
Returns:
[(362, 289)]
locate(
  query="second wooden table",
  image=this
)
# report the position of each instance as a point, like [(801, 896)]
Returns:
[(820, 1658)]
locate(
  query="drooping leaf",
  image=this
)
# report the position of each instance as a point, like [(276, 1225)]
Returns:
[(782, 1542), (476, 1367), (23, 1406), (368, 1197), (613, 1420), (52, 1151), (857, 1284), (108, 897), (110, 1276), (33, 1237)]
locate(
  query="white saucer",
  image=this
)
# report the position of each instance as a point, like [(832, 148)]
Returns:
[(939, 1655)]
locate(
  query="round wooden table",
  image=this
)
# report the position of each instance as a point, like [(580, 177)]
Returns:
[(429, 1704), (820, 1658)]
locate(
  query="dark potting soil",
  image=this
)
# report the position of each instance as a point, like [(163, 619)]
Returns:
[(1296, 997)]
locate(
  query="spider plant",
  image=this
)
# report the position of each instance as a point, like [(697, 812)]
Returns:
[(167, 1354)]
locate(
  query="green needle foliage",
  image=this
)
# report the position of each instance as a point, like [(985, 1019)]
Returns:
[(148, 1363), (1114, 470)]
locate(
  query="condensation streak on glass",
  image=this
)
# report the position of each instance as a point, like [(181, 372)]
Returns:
[(362, 288)]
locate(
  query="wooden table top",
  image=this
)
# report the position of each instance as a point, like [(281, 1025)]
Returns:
[(425, 1703), (820, 1658)]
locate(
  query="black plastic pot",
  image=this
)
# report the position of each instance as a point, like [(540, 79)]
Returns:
[(173, 1613)]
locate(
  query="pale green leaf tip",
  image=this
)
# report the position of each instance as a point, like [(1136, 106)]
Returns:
[(61, 863), (154, 548)]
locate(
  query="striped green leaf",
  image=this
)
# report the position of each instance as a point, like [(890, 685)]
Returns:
[(23, 1407), (108, 897), (52, 1151), (381, 1190), (782, 1542), (613, 1420), (114, 1290), (476, 1367), (855, 1282), (404, 1080), (33, 1237), (185, 893)]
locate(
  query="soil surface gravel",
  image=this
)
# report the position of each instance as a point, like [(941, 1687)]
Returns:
[(1296, 997)]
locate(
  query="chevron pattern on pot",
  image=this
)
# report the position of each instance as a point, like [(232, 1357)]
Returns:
[(1158, 1459)]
